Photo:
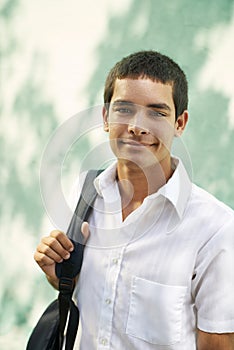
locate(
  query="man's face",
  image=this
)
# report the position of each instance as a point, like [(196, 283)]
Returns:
[(141, 121)]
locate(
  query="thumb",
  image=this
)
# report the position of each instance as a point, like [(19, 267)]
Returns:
[(85, 230)]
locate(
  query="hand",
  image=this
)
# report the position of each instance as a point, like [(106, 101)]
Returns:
[(53, 249)]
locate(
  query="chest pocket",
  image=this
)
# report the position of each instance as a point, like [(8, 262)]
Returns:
[(155, 313)]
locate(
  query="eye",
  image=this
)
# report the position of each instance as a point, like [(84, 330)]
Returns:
[(156, 114), (121, 110)]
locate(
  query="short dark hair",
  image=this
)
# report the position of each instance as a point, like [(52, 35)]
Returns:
[(152, 65)]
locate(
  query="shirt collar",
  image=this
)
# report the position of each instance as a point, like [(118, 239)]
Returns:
[(177, 190), (106, 178)]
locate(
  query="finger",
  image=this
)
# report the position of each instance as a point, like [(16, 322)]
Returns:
[(52, 251), (47, 265), (52, 247), (63, 240), (85, 230), (43, 260)]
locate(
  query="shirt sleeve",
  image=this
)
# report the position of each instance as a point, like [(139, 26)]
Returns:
[(213, 285)]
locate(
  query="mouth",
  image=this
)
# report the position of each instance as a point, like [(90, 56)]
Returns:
[(134, 143)]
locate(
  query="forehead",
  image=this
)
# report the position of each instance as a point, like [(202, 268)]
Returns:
[(142, 91)]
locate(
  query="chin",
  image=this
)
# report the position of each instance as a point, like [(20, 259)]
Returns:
[(140, 161)]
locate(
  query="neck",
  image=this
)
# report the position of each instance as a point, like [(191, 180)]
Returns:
[(136, 183)]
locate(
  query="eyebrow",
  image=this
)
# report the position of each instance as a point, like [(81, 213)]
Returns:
[(151, 105), (122, 102), (159, 106)]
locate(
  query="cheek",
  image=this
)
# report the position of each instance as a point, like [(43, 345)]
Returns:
[(164, 132), (115, 132), (116, 129)]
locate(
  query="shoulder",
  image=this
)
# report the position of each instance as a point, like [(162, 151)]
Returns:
[(210, 220), (76, 189), (86, 178), (206, 204)]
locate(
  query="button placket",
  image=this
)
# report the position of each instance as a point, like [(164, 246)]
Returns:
[(103, 341), (115, 261), (105, 326)]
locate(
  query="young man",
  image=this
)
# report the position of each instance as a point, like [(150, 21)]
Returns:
[(157, 270)]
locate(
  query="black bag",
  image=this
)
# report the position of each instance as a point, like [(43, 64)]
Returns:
[(48, 334)]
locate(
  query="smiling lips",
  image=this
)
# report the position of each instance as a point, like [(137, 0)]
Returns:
[(137, 143)]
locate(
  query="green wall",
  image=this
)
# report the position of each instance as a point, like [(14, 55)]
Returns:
[(191, 32)]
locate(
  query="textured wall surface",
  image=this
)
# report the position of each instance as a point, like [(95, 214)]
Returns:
[(54, 56)]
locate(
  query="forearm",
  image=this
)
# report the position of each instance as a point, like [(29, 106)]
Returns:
[(54, 282), (214, 341)]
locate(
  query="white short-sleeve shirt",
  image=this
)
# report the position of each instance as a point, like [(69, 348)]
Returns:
[(148, 282)]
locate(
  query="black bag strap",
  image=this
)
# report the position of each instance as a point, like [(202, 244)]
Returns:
[(68, 269)]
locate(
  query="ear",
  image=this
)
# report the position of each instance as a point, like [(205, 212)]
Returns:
[(181, 123), (105, 119)]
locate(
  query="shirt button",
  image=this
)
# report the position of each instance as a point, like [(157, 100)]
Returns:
[(108, 301), (104, 341), (115, 261)]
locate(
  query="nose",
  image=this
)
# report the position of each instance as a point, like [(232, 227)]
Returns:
[(137, 125)]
